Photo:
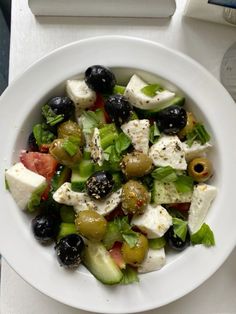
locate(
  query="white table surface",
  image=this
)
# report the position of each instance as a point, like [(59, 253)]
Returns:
[(32, 38)]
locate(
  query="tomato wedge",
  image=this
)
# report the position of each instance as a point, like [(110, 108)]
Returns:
[(116, 255), (43, 164)]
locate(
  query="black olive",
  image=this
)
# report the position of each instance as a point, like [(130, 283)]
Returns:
[(171, 119), (45, 227), (69, 250), (32, 145), (118, 109), (99, 184), (62, 105), (176, 242), (100, 79)]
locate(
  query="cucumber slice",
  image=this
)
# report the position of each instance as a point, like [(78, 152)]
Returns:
[(166, 193), (62, 175), (99, 262), (79, 176), (177, 101)]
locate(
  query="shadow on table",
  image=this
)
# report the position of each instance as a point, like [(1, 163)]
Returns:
[(61, 20)]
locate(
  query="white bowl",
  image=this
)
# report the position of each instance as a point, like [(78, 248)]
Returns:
[(20, 109)]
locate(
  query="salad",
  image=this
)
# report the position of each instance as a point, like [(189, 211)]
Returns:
[(115, 176)]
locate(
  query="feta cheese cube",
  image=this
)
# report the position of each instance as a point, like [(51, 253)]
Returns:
[(82, 201), (23, 182), (65, 195), (154, 260), (168, 151), (203, 196), (95, 147), (196, 150), (138, 99), (79, 92), (107, 205), (138, 132), (154, 222)]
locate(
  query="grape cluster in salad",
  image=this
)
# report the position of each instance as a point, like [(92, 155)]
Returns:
[(116, 175)]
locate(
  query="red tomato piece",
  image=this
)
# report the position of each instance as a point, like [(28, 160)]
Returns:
[(43, 164), (116, 255), (99, 104)]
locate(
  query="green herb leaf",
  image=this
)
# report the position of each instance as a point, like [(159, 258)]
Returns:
[(51, 117), (152, 90), (157, 243), (180, 228), (112, 235), (154, 133), (184, 184), (119, 89), (119, 229), (122, 143), (131, 237), (42, 134), (164, 174), (89, 121), (203, 236), (70, 147), (199, 134), (129, 275)]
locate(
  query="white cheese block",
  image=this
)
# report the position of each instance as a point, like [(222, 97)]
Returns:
[(196, 150), (140, 100), (203, 196), (79, 92), (22, 183), (82, 201), (107, 205), (154, 260), (168, 151), (154, 222), (95, 147), (65, 195), (138, 132)]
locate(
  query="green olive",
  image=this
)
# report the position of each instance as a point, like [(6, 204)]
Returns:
[(188, 127), (135, 255), (136, 164), (91, 224), (134, 197), (70, 129), (57, 150), (200, 169)]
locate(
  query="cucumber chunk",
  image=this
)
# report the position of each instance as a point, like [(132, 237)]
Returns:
[(79, 176), (177, 101), (166, 193), (99, 262)]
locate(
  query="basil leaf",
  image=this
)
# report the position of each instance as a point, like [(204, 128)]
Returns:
[(157, 243), (42, 134), (112, 235), (203, 236), (89, 121), (151, 90), (51, 117), (122, 143), (130, 237), (129, 275), (198, 133), (184, 184), (164, 174), (154, 133), (180, 228)]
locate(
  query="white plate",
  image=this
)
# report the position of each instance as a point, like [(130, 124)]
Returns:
[(19, 110)]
